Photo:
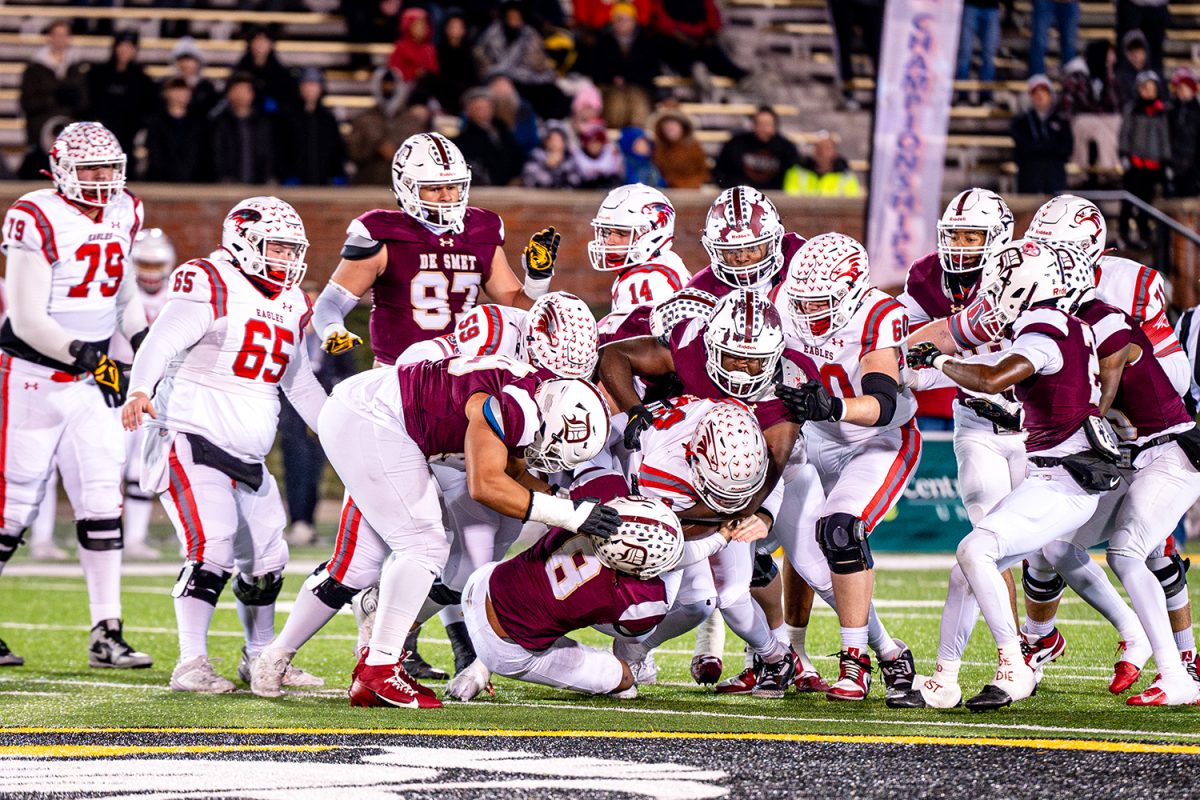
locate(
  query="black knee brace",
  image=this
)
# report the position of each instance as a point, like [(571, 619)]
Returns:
[(1038, 590), (260, 591), (201, 584), (1173, 575), (9, 542), (100, 534), (843, 540), (765, 570), (332, 593), (443, 595)]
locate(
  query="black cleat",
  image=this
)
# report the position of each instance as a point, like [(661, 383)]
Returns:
[(899, 672), (107, 648), (771, 680), (990, 699), (8, 658), (416, 666), (910, 699)]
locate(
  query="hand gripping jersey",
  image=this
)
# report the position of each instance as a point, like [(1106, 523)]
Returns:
[(649, 283), (226, 386), (431, 280), (1056, 404), (879, 322), (88, 260), (559, 585), (486, 330), (706, 280)]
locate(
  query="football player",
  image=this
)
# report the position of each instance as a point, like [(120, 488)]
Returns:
[(66, 251), (746, 244), (209, 375)]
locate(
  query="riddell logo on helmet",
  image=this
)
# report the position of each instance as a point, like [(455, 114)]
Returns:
[(575, 430)]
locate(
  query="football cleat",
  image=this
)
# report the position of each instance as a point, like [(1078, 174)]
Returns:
[(1191, 662), (469, 682), (49, 551), (1039, 652), (899, 672), (854, 679), (267, 671), (809, 681), (293, 676), (416, 666), (706, 669), (771, 679), (460, 645), (928, 692), (625, 694), (197, 675), (742, 683), (383, 685), (1180, 691), (8, 658), (109, 650), (1128, 668), (1014, 681)]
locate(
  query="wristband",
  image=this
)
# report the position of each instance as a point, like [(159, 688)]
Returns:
[(837, 409), (939, 362), (536, 287), (553, 511)]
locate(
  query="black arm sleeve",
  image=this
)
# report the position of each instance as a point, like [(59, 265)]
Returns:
[(884, 389)]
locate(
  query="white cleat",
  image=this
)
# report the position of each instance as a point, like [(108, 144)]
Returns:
[(938, 693), (625, 694), (197, 675), (293, 677), (48, 551), (1177, 690), (468, 683)]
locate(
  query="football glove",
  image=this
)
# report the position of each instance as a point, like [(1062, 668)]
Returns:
[(540, 253), (922, 355), (602, 520), (112, 380), (640, 418), (998, 415), (810, 402), (337, 340)]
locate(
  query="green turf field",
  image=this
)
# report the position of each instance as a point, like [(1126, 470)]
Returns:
[(45, 619)]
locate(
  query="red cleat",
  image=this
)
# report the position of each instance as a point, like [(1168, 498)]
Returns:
[(1125, 673), (738, 684), (855, 677), (810, 681), (706, 669), (388, 685)]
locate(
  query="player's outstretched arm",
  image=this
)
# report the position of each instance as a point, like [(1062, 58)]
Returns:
[(178, 327), (502, 286), (1111, 369), (621, 362), (303, 390), (975, 376), (350, 281)]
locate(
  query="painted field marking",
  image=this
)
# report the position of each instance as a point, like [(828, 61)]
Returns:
[(112, 751)]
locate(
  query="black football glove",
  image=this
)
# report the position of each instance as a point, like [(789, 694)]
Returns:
[(109, 377), (810, 402), (922, 355), (602, 521), (640, 418), (540, 253), (996, 414)]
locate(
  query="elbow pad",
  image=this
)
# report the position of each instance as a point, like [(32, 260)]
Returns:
[(884, 389)]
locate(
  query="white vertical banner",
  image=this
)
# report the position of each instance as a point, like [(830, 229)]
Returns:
[(912, 116)]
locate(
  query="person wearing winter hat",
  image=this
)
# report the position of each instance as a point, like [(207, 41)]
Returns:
[(189, 65), (1042, 142), (1183, 119), (1145, 149)]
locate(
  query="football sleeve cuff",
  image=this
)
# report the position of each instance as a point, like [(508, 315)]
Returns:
[(536, 287)]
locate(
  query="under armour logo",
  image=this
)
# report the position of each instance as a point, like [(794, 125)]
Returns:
[(286, 307), (31, 385), (446, 241), (838, 342)]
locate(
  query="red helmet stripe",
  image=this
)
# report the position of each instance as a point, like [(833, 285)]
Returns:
[(737, 205), (962, 201)]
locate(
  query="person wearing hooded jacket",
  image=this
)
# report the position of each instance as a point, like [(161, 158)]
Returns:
[(1145, 149), (679, 156), (377, 133), (53, 90)]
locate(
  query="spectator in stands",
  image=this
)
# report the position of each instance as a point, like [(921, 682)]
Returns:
[(120, 93), (242, 146), (586, 108), (624, 67), (1145, 149), (980, 22), (311, 151), (685, 32), (846, 16), (516, 113), (1064, 15), (414, 57), (1090, 101), (274, 87), (511, 47), (189, 65), (678, 155), (551, 165), (1183, 117), (597, 160), (1150, 17), (53, 92), (637, 151), (377, 133), (823, 174), (1135, 60), (368, 22), (486, 143), (759, 157), (591, 18), (457, 70), (1042, 142), (176, 137)]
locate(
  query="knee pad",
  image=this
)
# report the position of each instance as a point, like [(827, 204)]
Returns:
[(843, 540), (260, 591), (200, 583), (1172, 574), (765, 570), (443, 595), (1039, 589), (9, 542), (329, 591), (100, 534)]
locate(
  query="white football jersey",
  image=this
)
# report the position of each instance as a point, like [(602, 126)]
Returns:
[(879, 322), (89, 257), (1140, 292), (226, 386), (649, 284), (660, 468), (486, 330)]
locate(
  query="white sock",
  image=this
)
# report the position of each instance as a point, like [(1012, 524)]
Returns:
[(452, 614), (795, 637), (403, 587), (137, 519), (710, 636), (1010, 651), (259, 624), (1036, 629), (748, 621), (946, 669), (308, 616), (192, 618), (958, 619), (855, 638), (1185, 640), (781, 634), (878, 638), (102, 571), (1150, 603)]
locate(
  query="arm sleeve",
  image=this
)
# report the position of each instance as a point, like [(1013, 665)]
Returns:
[(332, 306), (178, 327), (697, 550), (773, 501), (302, 388), (429, 350), (131, 314), (29, 281)]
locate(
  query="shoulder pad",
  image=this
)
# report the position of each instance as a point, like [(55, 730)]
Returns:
[(483, 227), (1047, 321), (200, 281)]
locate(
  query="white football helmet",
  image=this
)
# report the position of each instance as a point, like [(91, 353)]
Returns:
[(560, 336), (744, 238), (87, 144), (825, 284), (430, 159), (744, 326), (153, 257), (1069, 219), (683, 305), (574, 425), (1023, 274), (728, 456), (974, 209), (258, 225), (642, 213), (648, 542)]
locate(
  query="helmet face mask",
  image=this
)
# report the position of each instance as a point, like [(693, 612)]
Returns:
[(265, 236), (87, 164), (561, 336), (743, 236), (825, 285), (976, 222), (431, 180), (634, 224), (744, 331), (574, 425), (648, 542), (728, 457), (153, 257)]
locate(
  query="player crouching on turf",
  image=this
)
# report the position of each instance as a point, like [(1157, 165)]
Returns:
[(227, 340)]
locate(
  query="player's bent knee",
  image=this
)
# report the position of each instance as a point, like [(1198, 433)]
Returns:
[(328, 590), (100, 534), (1171, 572), (9, 542), (1039, 586), (258, 591), (202, 584), (977, 548), (843, 540), (765, 570)]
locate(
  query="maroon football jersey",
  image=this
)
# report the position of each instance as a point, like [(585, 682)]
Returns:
[(435, 394), (431, 280), (1056, 405), (559, 585), (620, 327), (1145, 396), (690, 357), (706, 280), (936, 293)]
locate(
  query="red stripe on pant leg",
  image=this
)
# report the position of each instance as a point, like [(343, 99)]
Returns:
[(5, 367), (897, 477), (347, 540), (185, 505)]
